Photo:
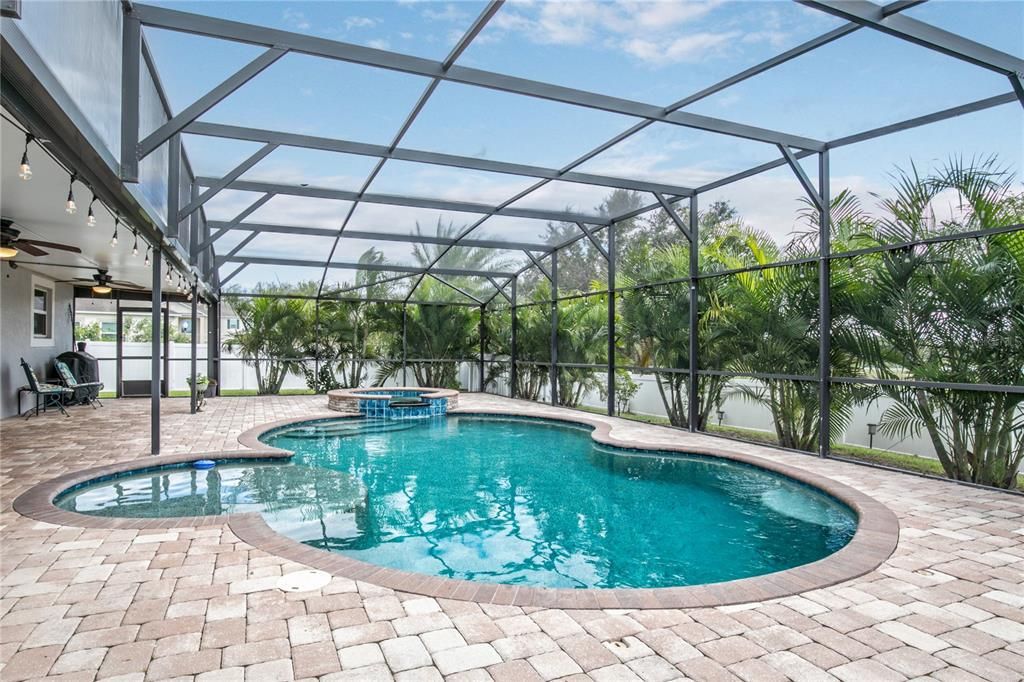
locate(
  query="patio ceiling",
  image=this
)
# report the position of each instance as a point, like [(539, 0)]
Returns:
[(448, 196)]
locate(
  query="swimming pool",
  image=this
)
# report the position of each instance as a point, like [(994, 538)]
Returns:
[(503, 500)]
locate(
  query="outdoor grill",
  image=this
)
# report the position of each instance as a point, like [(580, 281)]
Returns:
[(86, 369)]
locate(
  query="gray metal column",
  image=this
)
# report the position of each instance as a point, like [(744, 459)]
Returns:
[(157, 348), (483, 310), (405, 316), (553, 369), (173, 186), (213, 344), (611, 319), (513, 370), (693, 392), (824, 309), (131, 58), (195, 348)]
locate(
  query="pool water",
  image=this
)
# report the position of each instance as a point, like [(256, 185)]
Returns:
[(504, 500)]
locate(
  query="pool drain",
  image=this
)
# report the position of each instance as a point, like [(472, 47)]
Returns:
[(303, 581)]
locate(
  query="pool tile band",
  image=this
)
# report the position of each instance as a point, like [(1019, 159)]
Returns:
[(873, 542)]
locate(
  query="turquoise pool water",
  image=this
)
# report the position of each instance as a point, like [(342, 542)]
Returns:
[(504, 500)]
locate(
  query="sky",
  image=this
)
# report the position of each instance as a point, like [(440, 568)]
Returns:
[(652, 52)]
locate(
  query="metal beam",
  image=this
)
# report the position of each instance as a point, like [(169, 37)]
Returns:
[(944, 114), (230, 177), (553, 369), (381, 236), (824, 307), (426, 157), (920, 33), (539, 265), (675, 218), (209, 100), (373, 267), (173, 185), (156, 350), (513, 349), (805, 182), (692, 383), (593, 240), (500, 288), (224, 227), (357, 54), (456, 289), (610, 255), (131, 59), (413, 202), (224, 282)]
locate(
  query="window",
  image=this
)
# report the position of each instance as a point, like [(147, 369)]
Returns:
[(232, 322), (108, 331), (42, 313), (185, 325)]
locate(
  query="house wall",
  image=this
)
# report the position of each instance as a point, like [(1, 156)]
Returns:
[(16, 333)]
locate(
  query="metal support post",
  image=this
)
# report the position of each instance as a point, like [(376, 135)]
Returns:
[(405, 355), (693, 392), (131, 58), (156, 350), (483, 311), (213, 344), (173, 186), (513, 370), (193, 407), (824, 309), (553, 370), (611, 320)]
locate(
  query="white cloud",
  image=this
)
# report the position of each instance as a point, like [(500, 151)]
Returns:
[(379, 43), (687, 48), (450, 12), (657, 33), (359, 22), (405, 35), (296, 19)]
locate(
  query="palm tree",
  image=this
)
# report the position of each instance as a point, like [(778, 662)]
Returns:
[(950, 312), (270, 340)]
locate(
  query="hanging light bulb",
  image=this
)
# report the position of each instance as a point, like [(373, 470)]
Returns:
[(25, 170), (113, 240), (169, 280), (70, 206), (146, 262), (135, 246), (91, 220)]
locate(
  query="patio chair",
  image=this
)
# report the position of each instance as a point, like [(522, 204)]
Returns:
[(46, 394), (84, 392)]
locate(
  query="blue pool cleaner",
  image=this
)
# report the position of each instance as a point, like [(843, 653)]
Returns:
[(204, 464)]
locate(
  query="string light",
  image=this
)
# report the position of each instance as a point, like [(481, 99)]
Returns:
[(113, 240), (70, 206), (91, 220), (146, 262), (135, 246), (25, 170)]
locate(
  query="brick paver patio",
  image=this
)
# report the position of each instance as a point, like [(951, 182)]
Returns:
[(198, 604)]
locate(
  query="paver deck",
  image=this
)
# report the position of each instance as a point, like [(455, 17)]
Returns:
[(197, 603)]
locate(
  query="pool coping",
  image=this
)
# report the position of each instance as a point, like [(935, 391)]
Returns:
[(873, 542)]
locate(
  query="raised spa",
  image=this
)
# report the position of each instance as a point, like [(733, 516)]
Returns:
[(505, 500)]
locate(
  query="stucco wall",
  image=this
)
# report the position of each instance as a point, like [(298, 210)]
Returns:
[(16, 333)]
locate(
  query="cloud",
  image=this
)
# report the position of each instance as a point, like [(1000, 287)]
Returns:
[(379, 43), (359, 22), (405, 35), (687, 48), (296, 19), (657, 33), (450, 12)]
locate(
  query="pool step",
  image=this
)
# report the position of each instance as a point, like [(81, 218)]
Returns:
[(348, 428)]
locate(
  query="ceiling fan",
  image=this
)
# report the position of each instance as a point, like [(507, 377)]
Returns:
[(101, 282), (11, 242)]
